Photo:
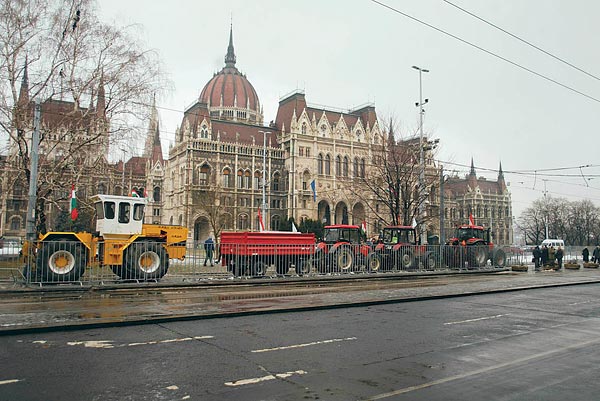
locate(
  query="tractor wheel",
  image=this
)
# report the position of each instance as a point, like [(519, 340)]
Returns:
[(61, 260), (146, 261), (373, 262), (430, 260), (477, 256), (259, 268), (344, 259), (499, 258), (449, 257), (304, 266), (405, 259), (118, 270)]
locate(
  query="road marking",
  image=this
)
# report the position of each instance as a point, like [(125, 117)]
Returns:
[(475, 320), (482, 370), (40, 342), (244, 382), (173, 387), (11, 381), (333, 340), (107, 344), (580, 303)]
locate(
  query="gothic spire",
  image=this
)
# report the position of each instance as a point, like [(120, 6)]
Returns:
[(101, 101), (24, 91), (472, 172), (230, 57), (500, 173)]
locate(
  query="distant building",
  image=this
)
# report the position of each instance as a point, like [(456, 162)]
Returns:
[(488, 201)]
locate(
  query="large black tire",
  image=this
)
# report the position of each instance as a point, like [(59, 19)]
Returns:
[(477, 255), (344, 259), (61, 261), (405, 259), (304, 266), (258, 268), (146, 261), (430, 260), (373, 262), (499, 258)]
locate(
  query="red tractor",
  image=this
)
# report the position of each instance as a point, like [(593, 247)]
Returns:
[(344, 248), (472, 245), (398, 249)]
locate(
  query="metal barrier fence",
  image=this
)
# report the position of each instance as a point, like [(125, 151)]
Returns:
[(108, 263)]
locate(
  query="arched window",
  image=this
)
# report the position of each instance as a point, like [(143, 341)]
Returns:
[(156, 194), (355, 171), (180, 219), (15, 223), (101, 188), (320, 163), (276, 179), (204, 174), (327, 165), (275, 222), (257, 178), (345, 166), (204, 132), (362, 168), (303, 128), (248, 179), (227, 182), (240, 179), (181, 176), (338, 166), (305, 180), (242, 222)]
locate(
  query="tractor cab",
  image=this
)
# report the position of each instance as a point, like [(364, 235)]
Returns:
[(118, 215), (466, 233)]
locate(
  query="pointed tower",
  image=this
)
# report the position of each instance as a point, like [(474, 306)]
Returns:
[(101, 101), (230, 56), (472, 177), (23, 100), (153, 148), (501, 182)]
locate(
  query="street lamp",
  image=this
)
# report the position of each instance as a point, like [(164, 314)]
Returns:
[(264, 179), (420, 105)]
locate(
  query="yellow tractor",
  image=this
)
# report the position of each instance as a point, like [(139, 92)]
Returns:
[(132, 250)]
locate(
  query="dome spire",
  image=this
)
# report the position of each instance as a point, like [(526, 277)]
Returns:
[(230, 57)]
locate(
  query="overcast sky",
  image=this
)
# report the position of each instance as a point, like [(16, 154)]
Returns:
[(347, 53)]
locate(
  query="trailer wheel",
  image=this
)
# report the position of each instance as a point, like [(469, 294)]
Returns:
[(344, 259), (61, 260), (499, 258), (373, 262), (146, 261)]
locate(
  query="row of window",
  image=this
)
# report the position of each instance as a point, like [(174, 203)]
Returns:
[(341, 166), (477, 213)]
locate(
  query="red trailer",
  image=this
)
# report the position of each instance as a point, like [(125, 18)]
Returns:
[(251, 253)]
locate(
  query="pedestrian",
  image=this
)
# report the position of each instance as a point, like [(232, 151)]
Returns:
[(596, 254), (586, 255), (537, 254), (209, 247), (551, 255), (559, 257), (544, 255)]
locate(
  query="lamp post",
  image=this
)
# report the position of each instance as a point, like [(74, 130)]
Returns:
[(420, 105), (264, 179)]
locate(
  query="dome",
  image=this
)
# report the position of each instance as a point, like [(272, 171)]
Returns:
[(229, 95)]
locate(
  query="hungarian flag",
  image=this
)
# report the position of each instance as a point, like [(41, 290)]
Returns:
[(363, 225), (134, 193), (73, 204), (260, 221), (471, 220)]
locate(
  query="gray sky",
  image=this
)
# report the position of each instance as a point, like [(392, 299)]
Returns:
[(347, 53)]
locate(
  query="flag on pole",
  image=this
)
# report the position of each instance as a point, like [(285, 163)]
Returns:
[(134, 193), (471, 220), (261, 224), (294, 229), (414, 223), (364, 226), (313, 186), (73, 204)]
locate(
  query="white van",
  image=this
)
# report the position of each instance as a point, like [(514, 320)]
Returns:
[(553, 242)]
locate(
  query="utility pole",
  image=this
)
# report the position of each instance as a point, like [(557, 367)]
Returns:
[(264, 179), (545, 209), (421, 155), (442, 230), (33, 175)]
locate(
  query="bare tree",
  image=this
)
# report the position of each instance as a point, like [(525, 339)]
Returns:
[(209, 203), (61, 54)]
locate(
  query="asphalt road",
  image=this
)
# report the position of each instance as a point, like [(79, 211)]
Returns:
[(541, 344)]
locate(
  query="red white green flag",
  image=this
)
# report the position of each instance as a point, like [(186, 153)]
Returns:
[(73, 204)]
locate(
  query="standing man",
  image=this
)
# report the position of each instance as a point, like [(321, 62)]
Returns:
[(209, 247), (537, 254), (586, 255), (559, 257), (544, 255), (596, 254)]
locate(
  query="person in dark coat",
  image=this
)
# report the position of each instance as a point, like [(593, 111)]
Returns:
[(537, 254), (559, 257), (209, 247), (586, 255), (544, 255), (596, 254)]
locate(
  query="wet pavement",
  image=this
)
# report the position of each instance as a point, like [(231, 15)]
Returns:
[(25, 309)]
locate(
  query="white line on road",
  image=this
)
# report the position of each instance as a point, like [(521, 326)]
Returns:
[(333, 340), (107, 344), (483, 370), (580, 303), (11, 381), (474, 320), (244, 382)]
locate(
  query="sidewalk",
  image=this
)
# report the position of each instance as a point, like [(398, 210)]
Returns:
[(27, 310)]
